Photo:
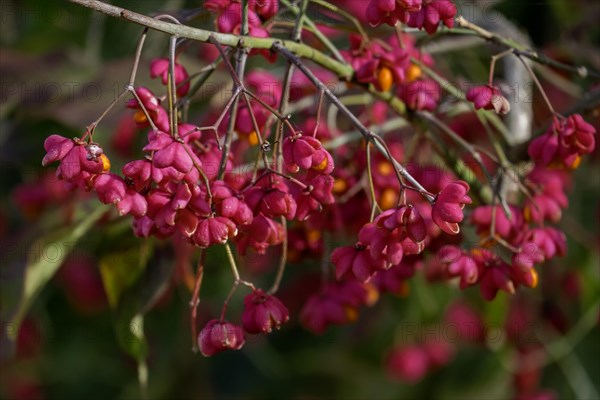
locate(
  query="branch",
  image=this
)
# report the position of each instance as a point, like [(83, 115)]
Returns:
[(521, 50), (344, 71), (314, 29), (368, 135)]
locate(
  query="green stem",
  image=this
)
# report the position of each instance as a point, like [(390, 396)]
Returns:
[(344, 71), (315, 30), (344, 14), (374, 205)]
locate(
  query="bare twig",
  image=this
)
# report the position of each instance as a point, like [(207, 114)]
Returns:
[(195, 301), (521, 50)]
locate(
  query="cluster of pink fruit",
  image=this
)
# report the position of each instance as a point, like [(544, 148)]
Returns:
[(422, 14), (185, 187)]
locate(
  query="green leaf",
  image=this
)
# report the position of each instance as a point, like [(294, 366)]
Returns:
[(120, 270), (45, 256), (138, 298)]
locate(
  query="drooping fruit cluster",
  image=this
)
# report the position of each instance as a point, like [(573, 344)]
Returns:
[(311, 182), (262, 314)]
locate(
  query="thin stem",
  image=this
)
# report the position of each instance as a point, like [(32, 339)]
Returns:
[(215, 127), (316, 31), (232, 263), (455, 92), (495, 58), (521, 50), (237, 76), (138, 54), (319, 107), (369, 136), (169, 17), (393, 124), (493, 224), (234, 287), (343, 70), (399, 35), (344, 14), (204, 75), (374, 204), (288, 177), (172, 88), (285, 90), (244, 26), (236, 282), (131, 89), (195, 301), (458, 139), (255, 126), (353, 191), (495, 143), (258, 133), (200, 170), (538, 84), (91, 127), (493, 237), (282, 261), (388, 154), (232, 291), (134, 68), (284, 118), (255, 169)]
